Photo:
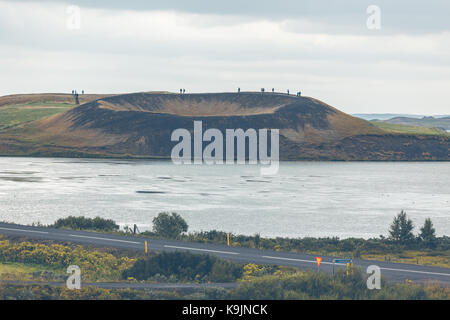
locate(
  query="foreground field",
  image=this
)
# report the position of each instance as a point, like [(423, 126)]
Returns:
[(19, 257), (29, 271)]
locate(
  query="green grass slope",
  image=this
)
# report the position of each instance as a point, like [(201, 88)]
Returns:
[(409, 129)]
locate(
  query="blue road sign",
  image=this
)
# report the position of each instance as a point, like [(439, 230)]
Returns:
[(342, 260)]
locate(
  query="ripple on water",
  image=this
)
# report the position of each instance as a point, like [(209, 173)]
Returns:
[(21, 179), (150, 192)]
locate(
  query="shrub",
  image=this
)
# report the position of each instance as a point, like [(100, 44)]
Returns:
[(170, 226), (83, 223), (428, 234), (185, 266), (94, 264), (401, 229), (313, 285)]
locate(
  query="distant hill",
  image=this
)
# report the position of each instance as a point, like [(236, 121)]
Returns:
[(388, 116), (140, 125), (441, 123)]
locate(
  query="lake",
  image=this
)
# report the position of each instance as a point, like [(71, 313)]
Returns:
[(344, 199)]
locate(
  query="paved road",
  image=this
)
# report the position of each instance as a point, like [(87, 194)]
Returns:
[(394, 272)]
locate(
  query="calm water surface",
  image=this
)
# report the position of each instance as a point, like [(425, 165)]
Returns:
[(357, 199)]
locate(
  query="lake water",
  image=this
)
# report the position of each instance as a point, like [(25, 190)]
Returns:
[(344, 199)]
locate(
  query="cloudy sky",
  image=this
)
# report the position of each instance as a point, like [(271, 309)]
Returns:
[(323, 48)]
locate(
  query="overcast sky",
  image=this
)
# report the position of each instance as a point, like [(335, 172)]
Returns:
[(323, 48)]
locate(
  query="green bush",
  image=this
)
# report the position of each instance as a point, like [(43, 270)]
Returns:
[(428, 234), (401, 229), (170, 226), (83, 223), (184, 266)]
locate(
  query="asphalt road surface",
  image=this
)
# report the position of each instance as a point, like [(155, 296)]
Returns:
[(393, 272)]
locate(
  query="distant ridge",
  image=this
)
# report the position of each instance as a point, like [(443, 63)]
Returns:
[(388, 116)]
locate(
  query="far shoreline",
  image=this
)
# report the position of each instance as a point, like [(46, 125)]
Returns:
[(168, 159)]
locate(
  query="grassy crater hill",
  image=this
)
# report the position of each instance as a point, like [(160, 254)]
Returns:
[(140, 125)]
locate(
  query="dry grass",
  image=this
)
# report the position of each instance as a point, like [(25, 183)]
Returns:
[(22, 271), (56, 98), (434, 259), (199, 107), (406, 129)]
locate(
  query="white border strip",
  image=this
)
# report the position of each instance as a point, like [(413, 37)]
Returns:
[(292, 259), (106, 239), (197, 249), (23, 230)]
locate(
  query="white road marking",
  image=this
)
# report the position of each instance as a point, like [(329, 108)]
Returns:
[(23, 230), (415, 271), (292, 259), (106, 239), (207, 250)]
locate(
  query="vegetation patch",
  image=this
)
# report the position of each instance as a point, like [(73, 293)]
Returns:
[(29, 271), (46, 292), (406, 129), (83, 223), (16, 114), (313, 285), (95, 265), (184, 266)]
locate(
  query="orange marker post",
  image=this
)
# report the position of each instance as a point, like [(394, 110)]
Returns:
[(228, 239), (318, 260), (146, 247)]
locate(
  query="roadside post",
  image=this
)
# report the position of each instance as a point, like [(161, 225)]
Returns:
[(146, 247), (318, 260), (347, 262), (228, 239)]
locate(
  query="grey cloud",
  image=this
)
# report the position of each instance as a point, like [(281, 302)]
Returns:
[(404, 16)]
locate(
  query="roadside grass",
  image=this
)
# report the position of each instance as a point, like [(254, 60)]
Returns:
[(254, 281), (26, 271), (419, 257), (20, 113), (405, 129), (52, 259), (426, 258)]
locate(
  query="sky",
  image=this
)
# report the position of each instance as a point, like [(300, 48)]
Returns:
[(359, 56)]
